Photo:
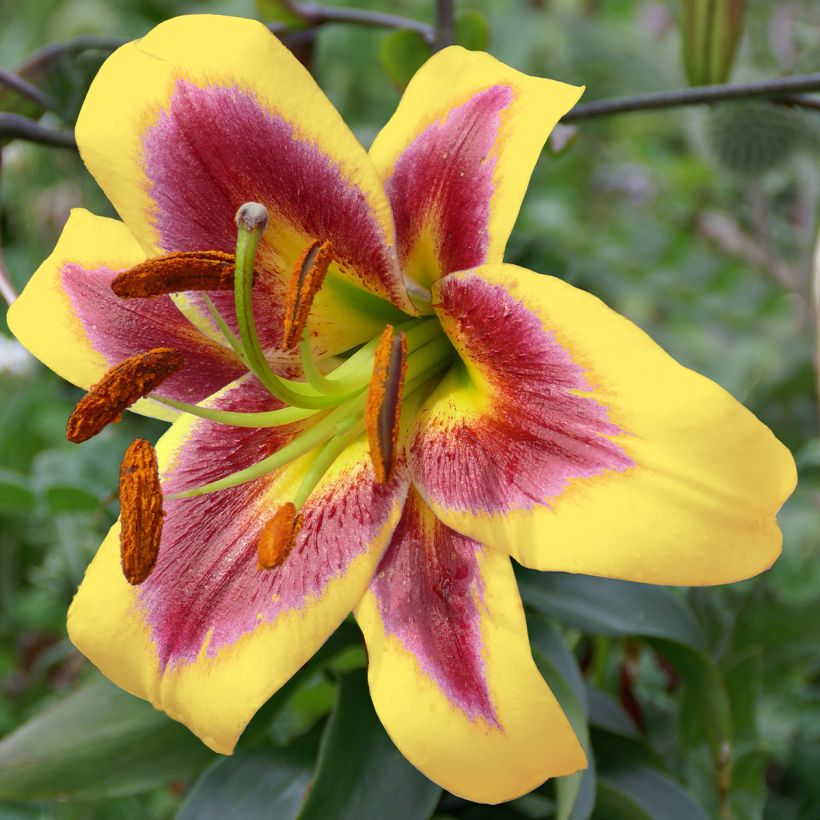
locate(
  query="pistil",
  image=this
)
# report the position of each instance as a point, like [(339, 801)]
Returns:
[(363, 395)]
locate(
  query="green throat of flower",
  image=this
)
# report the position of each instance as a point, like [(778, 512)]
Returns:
[(365, 393)]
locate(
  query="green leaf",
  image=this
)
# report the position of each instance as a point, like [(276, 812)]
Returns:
[(71, 498), (16, 497), (637, 792), (97, 742), (402, 54), (604, 606), (607, 714), (472, 30), (360, 773), (742, 684), (547, 639), (263, 782), (704, 696), (275, 11), (575, 793), (748, 793)]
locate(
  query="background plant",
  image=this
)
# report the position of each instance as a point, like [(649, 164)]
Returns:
[(698, 222)]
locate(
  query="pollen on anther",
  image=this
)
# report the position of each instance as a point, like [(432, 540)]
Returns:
[(278, 537), (384, 397), (141, 512), (176, 272), (119, 388), (308, 275)]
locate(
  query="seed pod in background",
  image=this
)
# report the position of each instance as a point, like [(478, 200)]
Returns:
[(711, 31), (752, 136)]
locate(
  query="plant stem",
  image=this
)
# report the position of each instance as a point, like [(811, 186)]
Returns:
[(317, 15), (445, 24), (776, 87), (15, 126), (7, 290), (26, 89)]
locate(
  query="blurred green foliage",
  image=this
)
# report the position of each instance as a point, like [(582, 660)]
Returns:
[(692, 703)]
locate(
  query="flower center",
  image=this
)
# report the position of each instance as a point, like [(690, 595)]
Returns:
[(364, 393)]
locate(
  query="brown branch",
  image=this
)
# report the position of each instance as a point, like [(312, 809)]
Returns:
[(7, 290), (444, 34), (54, 51), (314, 14), (800, 100), (15, 126), (699, 95), (25, 89)]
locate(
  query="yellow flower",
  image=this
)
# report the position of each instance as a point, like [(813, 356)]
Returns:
[(476, 411)]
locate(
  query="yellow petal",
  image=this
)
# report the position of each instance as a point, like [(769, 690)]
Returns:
[(457, 156), (206, 112), (573, 442), (70, 319), (450, 668), (208, 637)]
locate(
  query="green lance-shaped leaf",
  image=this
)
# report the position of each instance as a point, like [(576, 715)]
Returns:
[(604, 606), (575, 793), (360, 773), (656, 614), (97, 742), (16, 496), (642, 793), (261, 782), (711, 31)]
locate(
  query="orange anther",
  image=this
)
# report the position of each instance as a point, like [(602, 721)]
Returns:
[(384, 397), (278, 537), (119, 388), (141, 511), (176, 272), (307, 277)]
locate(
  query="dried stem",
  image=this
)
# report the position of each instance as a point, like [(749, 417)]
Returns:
[(7, 290), (699, 95), (317, 15), (15, 126), (26, 89), (445, 24)]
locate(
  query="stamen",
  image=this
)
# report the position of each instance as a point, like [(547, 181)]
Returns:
[(141, 511), (251, 219), (307, 277), (278, 537), (384, 398), (176, 272), (119, 388), (425, 363)]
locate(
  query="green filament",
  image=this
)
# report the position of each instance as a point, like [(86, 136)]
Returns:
[(428, 360), (234, 418)]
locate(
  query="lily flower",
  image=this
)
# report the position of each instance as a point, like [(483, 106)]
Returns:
[(371, 412)]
